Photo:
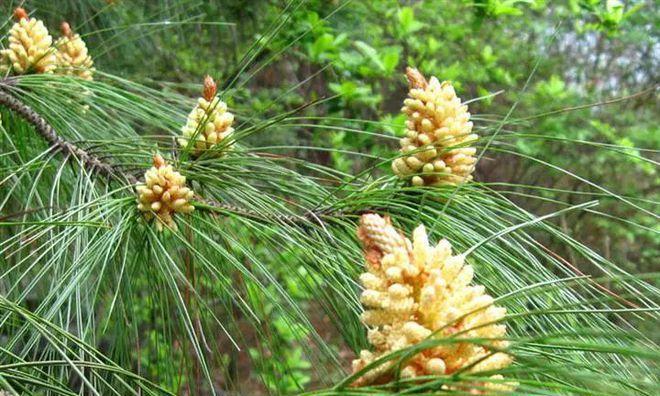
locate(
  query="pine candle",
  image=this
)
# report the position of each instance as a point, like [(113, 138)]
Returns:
[(72, 56), (209, 123), (163, 194), (30, 49), (438, 128)]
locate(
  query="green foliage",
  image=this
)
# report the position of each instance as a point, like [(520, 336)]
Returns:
[(284, 369)]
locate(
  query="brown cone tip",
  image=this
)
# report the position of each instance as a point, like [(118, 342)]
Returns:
[(415, 79), (210, 88), (65, 28), (159, 161), (20, 13), (372, 252)]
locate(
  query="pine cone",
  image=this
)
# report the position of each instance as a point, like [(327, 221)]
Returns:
[(163, 194), (209, 122), (416, 290), (72, 56), (30, 47), (437, 132)]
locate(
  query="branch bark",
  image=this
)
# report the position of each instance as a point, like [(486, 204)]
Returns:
[(43, 128), (95, 164)]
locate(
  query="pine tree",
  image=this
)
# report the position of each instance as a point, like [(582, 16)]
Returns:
[(136, 260)]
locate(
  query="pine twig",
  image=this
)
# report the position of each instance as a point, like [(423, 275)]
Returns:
[(314, 216), (43, 128), (96, 164)]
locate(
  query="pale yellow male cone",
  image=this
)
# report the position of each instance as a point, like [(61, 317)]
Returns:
[(436, 148), (412, 291), (163, 194), (72, 56), (209, 123), (30, 47)]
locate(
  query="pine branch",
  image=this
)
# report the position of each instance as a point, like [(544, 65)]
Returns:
[(96, 164), (313, 216), (43, 128)]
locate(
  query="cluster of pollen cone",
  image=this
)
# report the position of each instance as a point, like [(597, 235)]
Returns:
[(414, 291), (438, 130), (31, 50), (72, 56), (209, 122), (163, 194)]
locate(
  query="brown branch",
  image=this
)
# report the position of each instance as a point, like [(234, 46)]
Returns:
[(314, 216), (43, 128), (580, 273), (24, 212), (416, 80), (97, 164)]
